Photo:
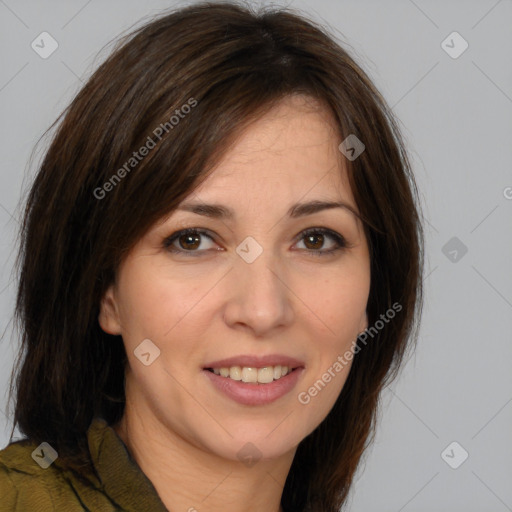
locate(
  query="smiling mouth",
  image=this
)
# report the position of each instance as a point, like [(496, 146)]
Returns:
[(253, 375)]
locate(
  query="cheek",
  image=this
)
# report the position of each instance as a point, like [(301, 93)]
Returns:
[(340, 304), (154, 301)]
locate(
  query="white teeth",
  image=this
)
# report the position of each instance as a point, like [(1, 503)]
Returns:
[(265, 375), (249, 374), (253, 375), (235, 373)]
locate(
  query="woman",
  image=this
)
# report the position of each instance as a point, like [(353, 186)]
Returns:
[(220, 269)]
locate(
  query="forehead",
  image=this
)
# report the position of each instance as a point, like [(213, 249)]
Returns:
[(290, 151)]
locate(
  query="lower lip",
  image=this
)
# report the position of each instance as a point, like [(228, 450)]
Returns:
[(255, 394)]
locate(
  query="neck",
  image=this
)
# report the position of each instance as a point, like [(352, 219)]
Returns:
[(187, 477)]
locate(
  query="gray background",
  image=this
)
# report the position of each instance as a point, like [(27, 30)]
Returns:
[(456, 115)]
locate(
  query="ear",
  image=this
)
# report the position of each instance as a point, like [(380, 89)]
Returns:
[(109, 316)]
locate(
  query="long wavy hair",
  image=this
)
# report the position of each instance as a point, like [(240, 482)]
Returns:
[(230, 64)]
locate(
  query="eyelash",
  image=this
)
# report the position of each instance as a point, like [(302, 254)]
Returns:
[(341, 242)]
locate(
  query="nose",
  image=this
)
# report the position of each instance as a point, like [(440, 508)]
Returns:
[(258, 296)]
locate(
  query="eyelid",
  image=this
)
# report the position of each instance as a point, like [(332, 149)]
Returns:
[(341, 242), (168, 241)]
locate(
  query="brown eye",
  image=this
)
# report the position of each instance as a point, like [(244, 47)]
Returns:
[(315, 241), (187, 241), (315, 238)]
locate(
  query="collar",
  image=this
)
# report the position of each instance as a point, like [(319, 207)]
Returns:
[(121, 477)]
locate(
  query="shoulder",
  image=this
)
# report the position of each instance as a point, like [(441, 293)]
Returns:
[(31, 478), (23, 485)]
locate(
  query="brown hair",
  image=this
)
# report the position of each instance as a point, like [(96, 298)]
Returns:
[(230, 65)]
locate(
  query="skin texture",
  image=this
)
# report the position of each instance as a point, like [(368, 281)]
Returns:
[(182, 431)]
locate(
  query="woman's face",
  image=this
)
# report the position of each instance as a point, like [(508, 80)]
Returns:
[(254, 289)]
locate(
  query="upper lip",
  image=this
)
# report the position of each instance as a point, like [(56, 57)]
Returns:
[(256, 361)]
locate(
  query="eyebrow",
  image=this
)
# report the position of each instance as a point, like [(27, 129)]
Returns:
[(218, 211)]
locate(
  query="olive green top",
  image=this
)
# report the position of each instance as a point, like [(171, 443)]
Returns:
[(33, 480)]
